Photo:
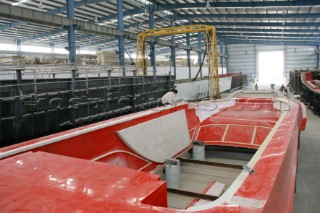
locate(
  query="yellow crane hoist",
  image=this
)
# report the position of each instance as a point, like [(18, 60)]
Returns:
[(211, 43)]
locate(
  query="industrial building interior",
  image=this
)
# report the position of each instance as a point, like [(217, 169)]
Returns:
[(67, 65)]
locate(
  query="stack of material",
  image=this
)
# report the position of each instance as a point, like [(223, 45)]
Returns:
[(15, 60), (107, 58)]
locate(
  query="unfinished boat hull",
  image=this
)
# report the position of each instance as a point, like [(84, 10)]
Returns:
[(116, 165), (310, 90)]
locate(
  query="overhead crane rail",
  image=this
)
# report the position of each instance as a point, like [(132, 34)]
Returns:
[(211, 45)]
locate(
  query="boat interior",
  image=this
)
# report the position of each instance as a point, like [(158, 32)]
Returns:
[(206, 146), (202, 181)]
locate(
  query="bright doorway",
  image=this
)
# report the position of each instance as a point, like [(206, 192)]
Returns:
[(271, 67)]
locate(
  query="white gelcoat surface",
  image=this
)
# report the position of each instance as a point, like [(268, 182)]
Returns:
[(215, 190), (158, 139), (206, 109)]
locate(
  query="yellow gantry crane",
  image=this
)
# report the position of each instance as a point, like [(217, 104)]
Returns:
[(212, 54)]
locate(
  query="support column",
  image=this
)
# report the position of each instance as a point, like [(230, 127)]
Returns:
[(256, 65), (221, 55), (19, 47), (226, 59), (71, 33), (173, 55), (318, 56), (121, 38), (199, 53), (73, 79), (188, 53), (285, 62), (52, 52), (152, 51), (17, 121)]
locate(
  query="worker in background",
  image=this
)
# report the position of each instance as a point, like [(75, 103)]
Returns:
[(169, 97), (272, 86), (284, 90), (256, 86)]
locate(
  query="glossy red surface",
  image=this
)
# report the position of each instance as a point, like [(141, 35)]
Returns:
[(309, 82), (96, 143), (53, 183), (114, 188), (124, 159)]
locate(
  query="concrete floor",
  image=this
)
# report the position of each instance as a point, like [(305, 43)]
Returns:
[(307, 197)]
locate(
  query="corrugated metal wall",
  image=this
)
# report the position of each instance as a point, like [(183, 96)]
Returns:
[(300, 57), (243, 58)]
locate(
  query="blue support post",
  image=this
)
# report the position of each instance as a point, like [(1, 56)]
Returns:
[(18, 47), (226, 59), (188, 53), (152, 45), (71, 33), (173, 56), (52, 52), (121, 38), (199, 53), (221, 55), (318, 56)]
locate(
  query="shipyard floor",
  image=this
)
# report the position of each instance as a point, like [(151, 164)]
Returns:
[(308, 180)]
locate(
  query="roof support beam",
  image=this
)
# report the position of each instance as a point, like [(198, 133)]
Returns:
[(76, 5), (262, 24), (78, 39), (238, 4), (52, 12), (267, 35), (266, 30), (11, 25), (288, 43), (164, 7), (98, 43), (42, 35), (252, 38), (18, 13), (249, 16), (239, 25), (125, 13)]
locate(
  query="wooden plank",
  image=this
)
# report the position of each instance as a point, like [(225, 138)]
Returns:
[(209, 163), (193, 194)]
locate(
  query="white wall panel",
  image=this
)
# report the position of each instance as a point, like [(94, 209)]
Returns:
[(243, 57), (298, 57)]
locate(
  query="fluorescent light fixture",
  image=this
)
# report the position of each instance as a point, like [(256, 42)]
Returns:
[(208, 5), (19, 2), (41, 5)]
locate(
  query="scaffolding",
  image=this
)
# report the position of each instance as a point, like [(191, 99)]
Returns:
[(211, 45)]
